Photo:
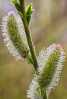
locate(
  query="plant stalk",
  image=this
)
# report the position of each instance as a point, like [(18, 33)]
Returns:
[(45, 96), (28, 35), (27, 31)]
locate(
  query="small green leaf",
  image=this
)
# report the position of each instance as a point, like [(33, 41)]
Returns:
[(45, 96), (29, 59), (16, 3), (42, 92), (29, 11)]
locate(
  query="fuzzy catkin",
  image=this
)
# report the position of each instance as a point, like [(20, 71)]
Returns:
[(50, 63), (14, 35), (45, 76)]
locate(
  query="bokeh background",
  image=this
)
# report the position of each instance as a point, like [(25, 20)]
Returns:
[(48, 25)]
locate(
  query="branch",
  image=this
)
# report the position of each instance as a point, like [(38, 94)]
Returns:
[(27, 31)]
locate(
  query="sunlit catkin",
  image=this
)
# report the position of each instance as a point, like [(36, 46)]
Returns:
[(14, 35), (50, 66)]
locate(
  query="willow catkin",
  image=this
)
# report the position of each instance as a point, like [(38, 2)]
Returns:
[(14, 35), (50, 66)]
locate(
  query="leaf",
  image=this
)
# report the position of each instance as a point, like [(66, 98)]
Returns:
[(30, 60), (29, 11), (42, 92), (16, 3)]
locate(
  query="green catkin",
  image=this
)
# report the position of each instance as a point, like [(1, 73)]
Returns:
[(15, 37), (45, 77), (50, 63)]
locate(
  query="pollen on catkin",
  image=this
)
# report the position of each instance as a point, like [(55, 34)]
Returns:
[(50, 63), (14, 35)]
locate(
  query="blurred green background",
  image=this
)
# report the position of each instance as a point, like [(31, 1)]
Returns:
[(48, 25)]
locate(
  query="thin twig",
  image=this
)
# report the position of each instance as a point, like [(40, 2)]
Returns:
[(27, 31)]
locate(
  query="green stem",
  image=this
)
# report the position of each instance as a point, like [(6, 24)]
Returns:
[(29, 39), (45, 96), (27, 31)]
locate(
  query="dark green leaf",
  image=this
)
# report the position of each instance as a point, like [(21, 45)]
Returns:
[(16, 3)]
